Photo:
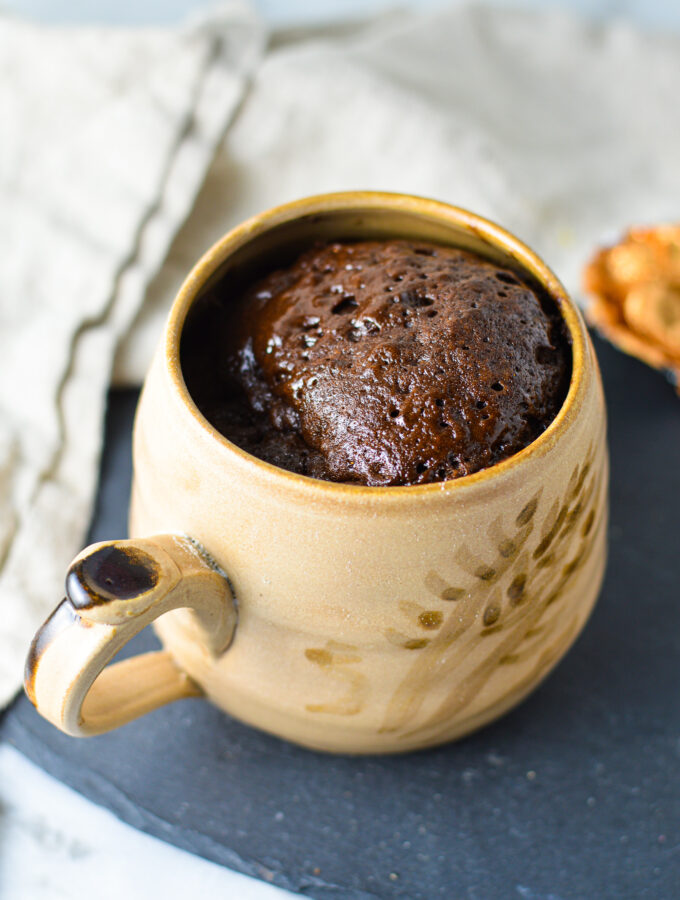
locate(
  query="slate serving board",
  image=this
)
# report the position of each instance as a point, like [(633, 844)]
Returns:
[(576, 794)]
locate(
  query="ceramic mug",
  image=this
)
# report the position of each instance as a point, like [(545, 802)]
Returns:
[(341, 617)]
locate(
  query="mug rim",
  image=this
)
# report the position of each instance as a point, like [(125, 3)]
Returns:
[(485, 229)]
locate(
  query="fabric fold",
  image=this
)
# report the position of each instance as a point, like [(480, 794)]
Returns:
[(111, 134)]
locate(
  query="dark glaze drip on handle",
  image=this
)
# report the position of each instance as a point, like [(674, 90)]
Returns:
[(111, 573), (62, 618)]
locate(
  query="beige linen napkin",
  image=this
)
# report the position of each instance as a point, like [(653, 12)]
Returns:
[(562, 131), (106, 136)]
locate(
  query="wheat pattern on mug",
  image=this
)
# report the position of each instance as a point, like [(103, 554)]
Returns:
[(528, 574), (337, 660)]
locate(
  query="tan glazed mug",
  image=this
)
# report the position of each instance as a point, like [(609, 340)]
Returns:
[(345, 618)]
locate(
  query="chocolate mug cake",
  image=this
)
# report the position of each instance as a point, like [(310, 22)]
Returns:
[(390, 362), (340, 616)]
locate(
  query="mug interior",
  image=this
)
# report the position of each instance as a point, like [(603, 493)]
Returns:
[(279, 245), (274, 239)]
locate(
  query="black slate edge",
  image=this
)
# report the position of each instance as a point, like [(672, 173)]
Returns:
[(109, 795), (600, 816)]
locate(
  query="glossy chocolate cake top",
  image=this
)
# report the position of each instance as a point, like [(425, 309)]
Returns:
[(381, 363)]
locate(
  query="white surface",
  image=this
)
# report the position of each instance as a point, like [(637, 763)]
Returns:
[(55, 844)]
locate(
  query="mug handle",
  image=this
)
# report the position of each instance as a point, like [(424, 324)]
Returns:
[(113, 590)]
